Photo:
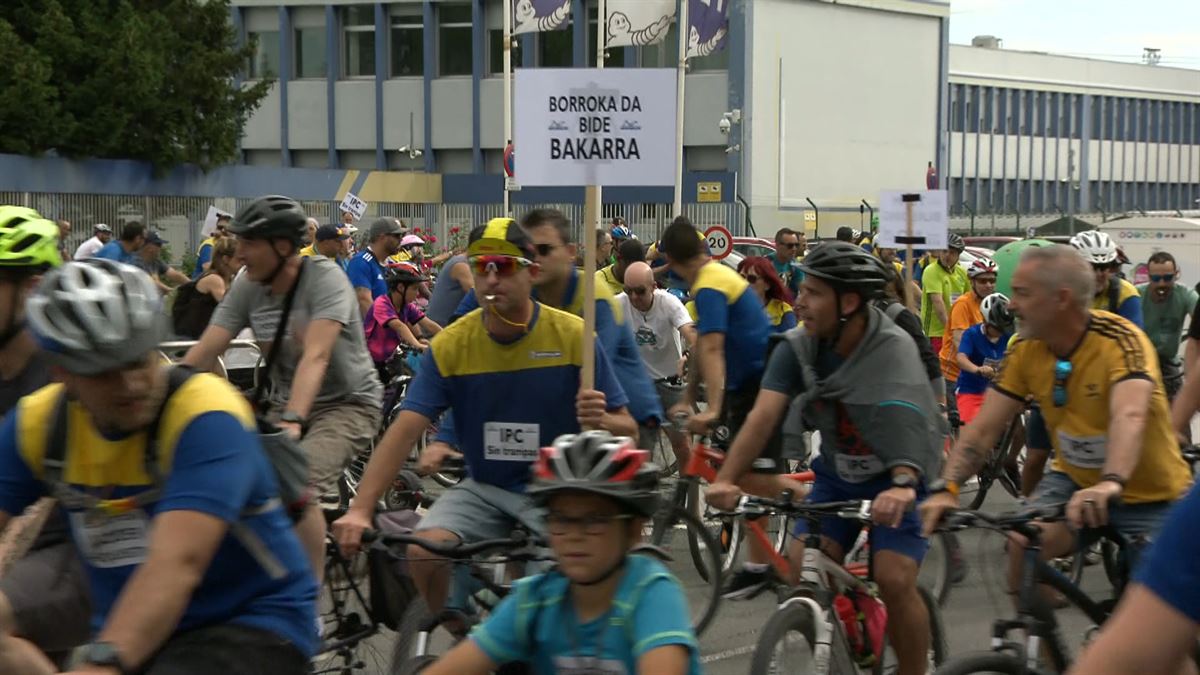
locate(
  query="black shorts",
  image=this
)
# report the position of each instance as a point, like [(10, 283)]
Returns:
[(228, 650), (738, 404)]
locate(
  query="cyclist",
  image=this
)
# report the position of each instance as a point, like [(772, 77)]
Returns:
[(774, 296), (196, 300), (149, 259), (604, 250), (789, 249), (124, 249), (630, 251), (980, 352), (43, 596), (324, 391), (663, 331), (861, 384), (453, 282), (1187, 401), (329, 241), (102, 235), (941, 285), (730, 352), (204, 253), (604, 609), (1093, 375), (192, 562), (964, 313), (1112, 293), (1166, 304), (366, 268), (395, 318), (511, 371)]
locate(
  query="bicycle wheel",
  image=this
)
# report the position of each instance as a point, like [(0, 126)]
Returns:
[(788, 645), (701, 580), (724, 529), (936, 569), (985, 662), (937, 639)]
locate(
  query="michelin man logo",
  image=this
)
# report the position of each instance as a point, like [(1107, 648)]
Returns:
[(621, 32), (526, 18), (697, 49)]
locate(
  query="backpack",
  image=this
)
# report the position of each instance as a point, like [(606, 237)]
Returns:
[(53, 463)]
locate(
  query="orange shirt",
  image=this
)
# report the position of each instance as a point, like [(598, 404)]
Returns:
[(964, 313)]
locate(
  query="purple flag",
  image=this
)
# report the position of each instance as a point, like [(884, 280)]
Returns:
[(540, 15), (708, 26)]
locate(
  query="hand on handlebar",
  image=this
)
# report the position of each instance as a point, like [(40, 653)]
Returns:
[(1089, 507), (933, 509), (701, 423), (890, 505), (723, 496), (348, 530), (433, 456)]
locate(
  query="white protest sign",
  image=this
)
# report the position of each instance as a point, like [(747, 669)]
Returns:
[(930, 219), (210, 221), (579, 126), (354, 205)]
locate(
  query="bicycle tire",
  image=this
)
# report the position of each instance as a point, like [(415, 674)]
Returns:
[(981, 663), (663, 455), (664, 532), (727, 531), (788, 619), (937, 581)]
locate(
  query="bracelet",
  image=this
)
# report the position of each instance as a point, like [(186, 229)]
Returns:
[(1113, 478)]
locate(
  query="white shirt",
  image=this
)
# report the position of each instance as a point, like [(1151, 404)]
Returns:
[(657, 332), (88, 248)]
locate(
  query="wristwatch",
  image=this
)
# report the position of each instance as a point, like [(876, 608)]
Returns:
[(943, 485), (104, 654), (292, 417), (905, 480)]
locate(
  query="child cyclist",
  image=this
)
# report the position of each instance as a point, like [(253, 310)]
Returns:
[(980, 352), (603, 609), (395, 317)]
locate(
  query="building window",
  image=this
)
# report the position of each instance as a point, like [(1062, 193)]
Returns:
[(556, 49), (614, 57), (310, 53), (454, 39), (358, 39), (408, 42), (265, 62)]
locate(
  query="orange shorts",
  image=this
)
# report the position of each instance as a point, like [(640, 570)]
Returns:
[(968, 406)]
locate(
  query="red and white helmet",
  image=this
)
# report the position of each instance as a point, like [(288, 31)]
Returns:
[(599, 463), (980, 266)]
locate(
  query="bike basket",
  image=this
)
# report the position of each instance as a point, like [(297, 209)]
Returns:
[(392, 588)]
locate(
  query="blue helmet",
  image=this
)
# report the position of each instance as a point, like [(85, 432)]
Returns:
[(621, 232)]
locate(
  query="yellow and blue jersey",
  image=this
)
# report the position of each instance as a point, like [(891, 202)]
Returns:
[(509, 399), (230, 479), (1121, 298), (725, 304), (780, 315), (203, 257)]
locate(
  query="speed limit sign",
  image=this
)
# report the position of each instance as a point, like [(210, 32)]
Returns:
[(720, 242)]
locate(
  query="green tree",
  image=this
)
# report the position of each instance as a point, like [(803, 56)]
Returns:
[(151, 80)]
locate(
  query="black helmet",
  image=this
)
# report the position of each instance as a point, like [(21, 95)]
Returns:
[(271, 217), (402, 273), (599, 463), (847, 267), (955, 242)]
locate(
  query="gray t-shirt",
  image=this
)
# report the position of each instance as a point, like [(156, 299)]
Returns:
[(447, 293), (324, 293)]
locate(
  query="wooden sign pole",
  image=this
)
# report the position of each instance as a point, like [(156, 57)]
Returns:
[(591, 218), (910, 202)]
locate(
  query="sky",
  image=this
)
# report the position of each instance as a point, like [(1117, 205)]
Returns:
[(1116, 30)]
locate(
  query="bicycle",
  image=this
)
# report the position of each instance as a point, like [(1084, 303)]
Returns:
[(995, 470), (828, 635), (1034, 618)]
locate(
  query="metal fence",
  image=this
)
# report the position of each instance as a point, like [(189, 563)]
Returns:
[(179, 219)]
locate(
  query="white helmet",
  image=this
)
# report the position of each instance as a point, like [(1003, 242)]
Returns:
[(96, 315), (1097, 247), (996, 312)]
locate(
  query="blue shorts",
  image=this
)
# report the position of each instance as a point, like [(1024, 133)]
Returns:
[(828, 487), (1138, 524)]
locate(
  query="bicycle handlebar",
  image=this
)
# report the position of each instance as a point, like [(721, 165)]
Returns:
[(453, 551), (1013, 520), (855, 509)]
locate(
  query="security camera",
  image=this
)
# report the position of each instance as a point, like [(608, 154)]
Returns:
[(724, 126)]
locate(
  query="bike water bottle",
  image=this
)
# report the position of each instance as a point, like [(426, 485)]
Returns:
[(848, 615), (873, 615)]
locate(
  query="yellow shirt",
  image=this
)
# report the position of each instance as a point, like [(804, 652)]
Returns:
[(1125, 291), (308, 251), (1113, 350), (607, 276)]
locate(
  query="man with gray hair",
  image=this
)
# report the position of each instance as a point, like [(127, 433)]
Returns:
[(1095, 376)]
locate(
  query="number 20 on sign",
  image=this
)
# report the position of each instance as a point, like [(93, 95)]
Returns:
[(719, 240)]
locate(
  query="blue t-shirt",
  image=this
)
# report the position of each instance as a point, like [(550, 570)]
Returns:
[(365, 271), (615, 336), (231, 480), (510, 399), (537, 623), (1171, 568), (114, 251), (203, 257), (726, 304), (982, 352)]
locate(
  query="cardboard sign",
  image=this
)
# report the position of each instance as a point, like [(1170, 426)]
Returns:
[(354, 205), (593, 126), (930, 219)]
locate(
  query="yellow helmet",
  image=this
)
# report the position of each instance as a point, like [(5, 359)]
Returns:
[(27, 240)]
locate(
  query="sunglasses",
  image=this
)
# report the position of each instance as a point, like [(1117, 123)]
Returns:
[(985, 280), (1105, 268), (544, 249), (636, 290), (750, 277), (1062, 371), (790, 245), (596, 524), (502, 265), (1162, 277)]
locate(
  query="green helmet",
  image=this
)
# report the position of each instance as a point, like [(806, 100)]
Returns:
[(1006, 258), (27, 240)]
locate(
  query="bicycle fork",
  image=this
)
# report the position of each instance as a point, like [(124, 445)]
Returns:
[(822, 632)]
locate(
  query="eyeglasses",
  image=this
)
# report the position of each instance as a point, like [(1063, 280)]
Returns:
[(750, 277), (544, 249), (636, 290), (502, 265), (1162, 277), (1062, 371), (1104, 268), (593, 524), (985, 280)]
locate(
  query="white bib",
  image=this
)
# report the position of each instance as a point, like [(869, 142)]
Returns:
[(1085, 452), (511, 441), (112, 541), (587, 665), (858, 468)]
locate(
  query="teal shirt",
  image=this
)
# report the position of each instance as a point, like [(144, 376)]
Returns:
[(1164, 320)]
